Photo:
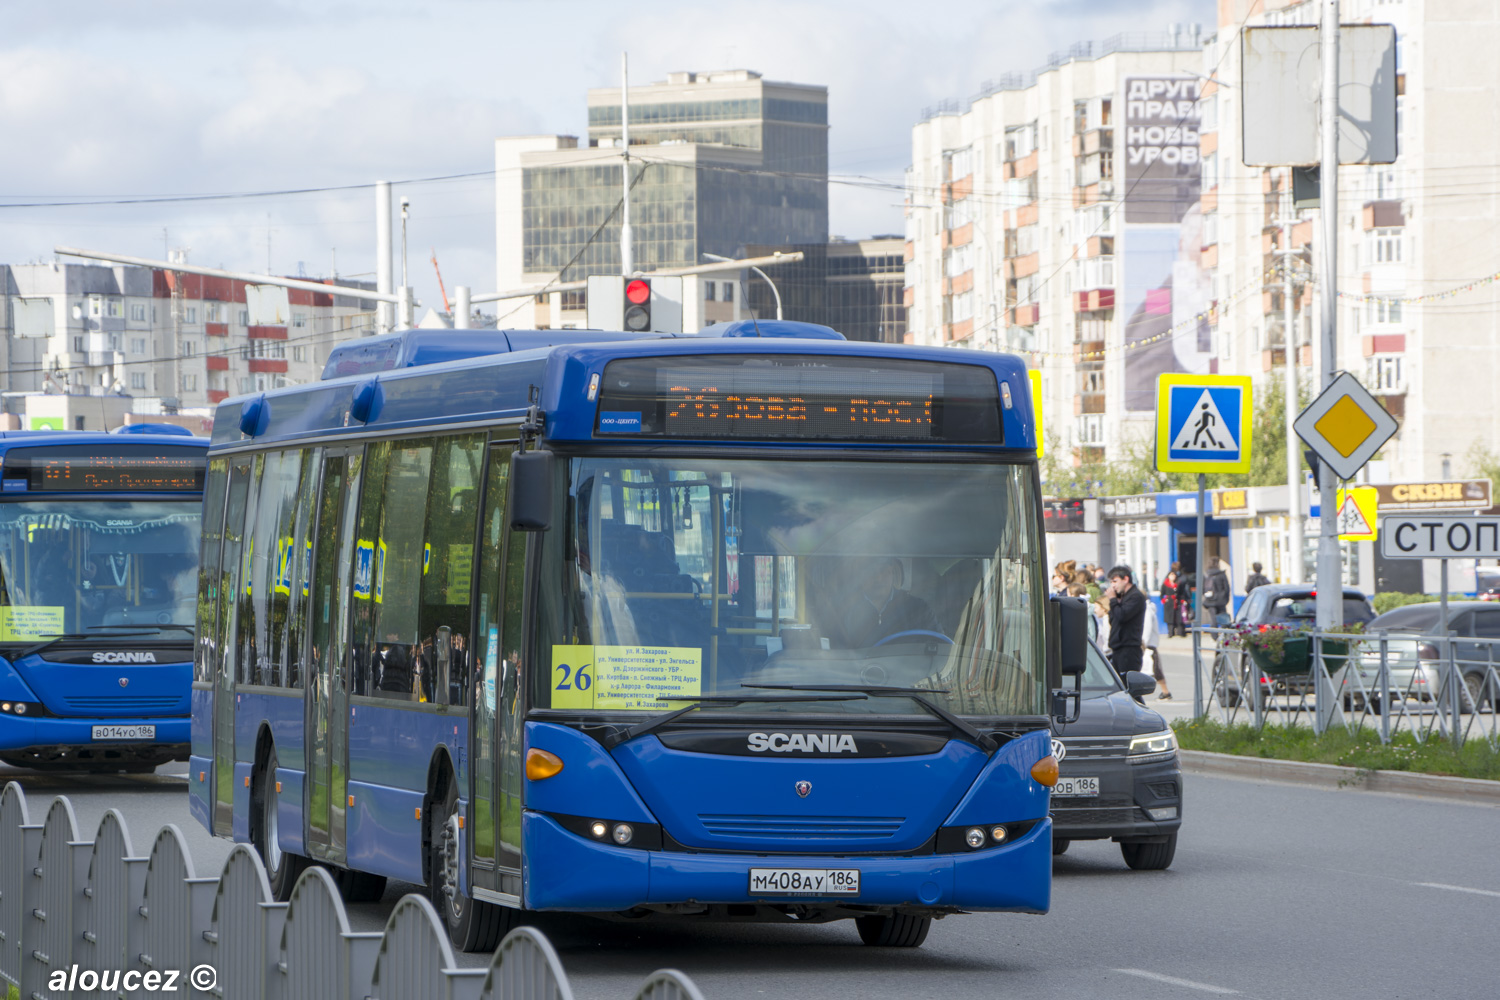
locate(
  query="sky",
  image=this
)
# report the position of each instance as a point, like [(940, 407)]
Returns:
[(103, 101)]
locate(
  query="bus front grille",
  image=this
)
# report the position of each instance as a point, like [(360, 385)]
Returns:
[(125, 705), (843, 828)]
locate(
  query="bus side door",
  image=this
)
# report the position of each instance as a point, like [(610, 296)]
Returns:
[(230, 577), (327, 697), (495, 727)]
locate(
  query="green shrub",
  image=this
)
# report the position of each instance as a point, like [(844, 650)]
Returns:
[(1361, 749), (1385, 602)]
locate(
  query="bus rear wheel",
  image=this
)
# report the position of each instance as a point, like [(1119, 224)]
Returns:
[(899, 930), (472, 924), (282, 867)]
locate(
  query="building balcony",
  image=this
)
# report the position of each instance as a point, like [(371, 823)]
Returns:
[(218, 395), (1209, 257), (277, 365), (1094, 300), (1024, 167), (216, 362), (1027, 315), (909, 296), (267, 332), (911, 251), (105, 359), (1099, 246), (1088, 402), (1083, 348), (961, 330), (1208, 142), (1210, 199), (1384, 343), (962, 236), (961, 283), (1020, 267), (960, 189), (1383, 215), (1027, 215), (216, 329)]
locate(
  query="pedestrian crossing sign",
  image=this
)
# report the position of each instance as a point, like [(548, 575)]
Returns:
[(1356, 515), (1203, 423)]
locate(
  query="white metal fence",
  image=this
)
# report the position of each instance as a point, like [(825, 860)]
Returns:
[(91, 918), (1432, 686)]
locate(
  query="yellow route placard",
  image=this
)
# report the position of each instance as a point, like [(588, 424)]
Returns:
[(625, 677)]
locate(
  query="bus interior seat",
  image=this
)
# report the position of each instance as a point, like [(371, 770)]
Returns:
[(955, 590)]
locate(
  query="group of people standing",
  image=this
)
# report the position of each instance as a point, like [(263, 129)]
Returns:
[(1124, 614)]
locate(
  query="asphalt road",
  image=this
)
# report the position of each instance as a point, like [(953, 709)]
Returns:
[(1278, 891)]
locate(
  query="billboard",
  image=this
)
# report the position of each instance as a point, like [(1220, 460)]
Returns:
[(1165, 290)]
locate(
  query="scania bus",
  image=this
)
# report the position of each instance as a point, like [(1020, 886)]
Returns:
[(98, 581), (733, 628)]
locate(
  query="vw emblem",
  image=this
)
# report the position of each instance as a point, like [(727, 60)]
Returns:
[(804, 788), (124, 682), (1059, 749)]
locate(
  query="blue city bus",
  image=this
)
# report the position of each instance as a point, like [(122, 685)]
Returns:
[(736, 627), (98, 581)]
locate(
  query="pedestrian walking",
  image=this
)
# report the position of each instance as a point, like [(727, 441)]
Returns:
[(1255, 579), (1169, 606), (1151, 655), (1216, 593), (1127, 619), (1187, 593)]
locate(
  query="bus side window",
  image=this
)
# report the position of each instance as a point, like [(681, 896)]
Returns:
[(243, 636), (208, 568), (362, 635), (230, 564), (397, 572), (299, 566), (452, 519), (278, 489)]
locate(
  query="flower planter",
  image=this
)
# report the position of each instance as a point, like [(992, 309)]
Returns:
[(1297, 656)]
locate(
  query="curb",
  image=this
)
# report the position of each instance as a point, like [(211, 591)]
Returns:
[(1471, 791)]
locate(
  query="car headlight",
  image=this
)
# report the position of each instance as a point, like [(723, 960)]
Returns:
[(1162, 742)]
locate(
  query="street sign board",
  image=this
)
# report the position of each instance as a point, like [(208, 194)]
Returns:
[(1035, 378), (1413, 536), (1357, 514), (1345, 426), (1461, 494), (1203, 423)]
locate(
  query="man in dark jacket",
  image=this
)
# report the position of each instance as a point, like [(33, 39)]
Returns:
[(880, 607), (1256, 578), (1127, 617), (1216, 593)]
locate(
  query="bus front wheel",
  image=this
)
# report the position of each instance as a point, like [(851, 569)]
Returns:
[(282, 867), (899, 930), (472, 924)]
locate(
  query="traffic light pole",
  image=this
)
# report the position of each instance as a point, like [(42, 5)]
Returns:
[(627, 254), (1330, 603)]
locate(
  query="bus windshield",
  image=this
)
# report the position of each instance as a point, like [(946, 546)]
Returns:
[(675, 579), (68, 566)]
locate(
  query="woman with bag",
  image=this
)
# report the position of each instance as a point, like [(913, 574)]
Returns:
[(1169, 601)]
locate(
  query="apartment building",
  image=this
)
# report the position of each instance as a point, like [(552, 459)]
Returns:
[(1418, 311), (1056, 214), (179, 341)]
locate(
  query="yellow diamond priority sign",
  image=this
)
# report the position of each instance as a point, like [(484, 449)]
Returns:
[(1345, 426)]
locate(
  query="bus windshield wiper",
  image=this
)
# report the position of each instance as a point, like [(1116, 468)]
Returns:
[(918, 695), (101, 632), (619, 736), (168, 627)]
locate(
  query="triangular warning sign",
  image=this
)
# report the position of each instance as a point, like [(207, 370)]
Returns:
[(1352, 520), (1204, 429)]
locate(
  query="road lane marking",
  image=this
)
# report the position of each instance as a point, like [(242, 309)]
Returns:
[(1459, 888), (1174, 981)]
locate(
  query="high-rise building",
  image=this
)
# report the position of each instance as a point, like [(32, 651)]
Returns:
[(1056, 214), (718, 160), (173, 341), (854, 286)]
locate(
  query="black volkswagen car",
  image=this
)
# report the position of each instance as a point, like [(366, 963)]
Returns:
[(1120, 775)]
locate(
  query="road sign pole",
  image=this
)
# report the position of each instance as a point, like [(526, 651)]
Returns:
[(1199, 608), (1330, 604)]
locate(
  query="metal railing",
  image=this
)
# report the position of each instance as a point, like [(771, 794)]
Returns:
[(92, 919), (1431, 686)]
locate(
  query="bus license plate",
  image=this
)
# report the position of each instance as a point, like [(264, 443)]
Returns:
[(1075, 787), (804, 881), (124, 732)]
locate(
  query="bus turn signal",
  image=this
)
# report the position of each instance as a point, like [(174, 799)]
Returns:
[(1045, 771), (541, 764)]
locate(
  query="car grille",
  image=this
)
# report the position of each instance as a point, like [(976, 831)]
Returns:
[(1095, 747), (1093, 817), (844, 828)]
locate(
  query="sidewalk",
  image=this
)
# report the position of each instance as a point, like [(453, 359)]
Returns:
[(1177, 664)]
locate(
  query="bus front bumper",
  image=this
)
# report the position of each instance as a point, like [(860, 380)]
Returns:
[(564, 871), (55, 742)]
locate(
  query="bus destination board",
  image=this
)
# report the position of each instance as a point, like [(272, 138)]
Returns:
[(115, 474)]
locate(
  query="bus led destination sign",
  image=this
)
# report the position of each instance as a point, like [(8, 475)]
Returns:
[(116, 474), (794, 396)]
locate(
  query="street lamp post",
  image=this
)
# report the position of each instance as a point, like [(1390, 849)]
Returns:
[(774, 292)]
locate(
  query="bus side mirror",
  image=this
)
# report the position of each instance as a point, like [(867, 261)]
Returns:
[(1073, 635), (531, 491)]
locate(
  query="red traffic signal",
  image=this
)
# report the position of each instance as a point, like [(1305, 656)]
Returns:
[(638, 291), (637, 305)]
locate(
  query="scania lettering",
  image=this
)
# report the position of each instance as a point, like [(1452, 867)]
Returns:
[(99, 537), (553, 626), (803, 743)]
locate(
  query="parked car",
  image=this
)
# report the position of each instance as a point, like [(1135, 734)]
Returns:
[(1278, 604), (1121, 779), (1415, 659)]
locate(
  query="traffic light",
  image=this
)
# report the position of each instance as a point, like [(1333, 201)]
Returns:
[(637, 304)]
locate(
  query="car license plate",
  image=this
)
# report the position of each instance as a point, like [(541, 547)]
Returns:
[(124, 732), (1075, 787), (804, 881)]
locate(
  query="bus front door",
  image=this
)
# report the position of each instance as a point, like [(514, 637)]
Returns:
[(230, 587), (327, 695)]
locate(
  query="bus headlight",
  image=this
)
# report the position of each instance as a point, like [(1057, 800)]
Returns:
[(623, 833), (974, 837), (599, 828)]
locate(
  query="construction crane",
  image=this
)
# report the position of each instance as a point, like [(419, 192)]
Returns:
[(441, 287)]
